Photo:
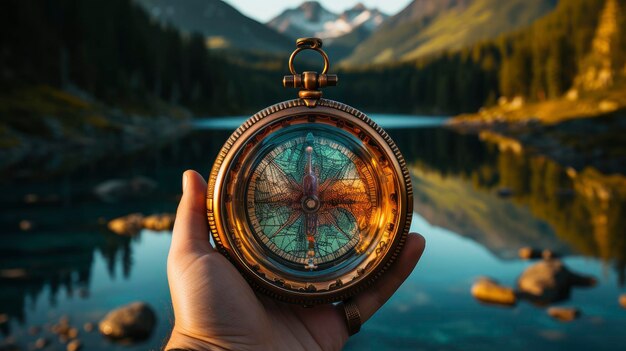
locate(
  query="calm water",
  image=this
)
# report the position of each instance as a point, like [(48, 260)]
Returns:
[(68, 264)]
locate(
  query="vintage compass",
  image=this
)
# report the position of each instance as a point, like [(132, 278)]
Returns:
[(309, 198)]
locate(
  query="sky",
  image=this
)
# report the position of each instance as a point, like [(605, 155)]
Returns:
[(265, 10)]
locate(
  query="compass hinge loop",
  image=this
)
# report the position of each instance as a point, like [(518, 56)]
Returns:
[(308, 82)]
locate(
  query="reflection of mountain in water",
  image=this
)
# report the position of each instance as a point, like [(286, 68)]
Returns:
[(56, 261), (57, 254), (498, 224), (457, 178)]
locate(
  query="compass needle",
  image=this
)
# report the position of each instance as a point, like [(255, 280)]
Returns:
[(310, 202)]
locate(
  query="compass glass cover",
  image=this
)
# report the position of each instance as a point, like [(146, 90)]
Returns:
[(309, 204), (309, 199)]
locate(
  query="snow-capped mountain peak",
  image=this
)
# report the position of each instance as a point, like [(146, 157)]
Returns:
[(312, 19)]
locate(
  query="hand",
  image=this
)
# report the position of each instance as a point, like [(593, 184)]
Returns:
[(215, 308)]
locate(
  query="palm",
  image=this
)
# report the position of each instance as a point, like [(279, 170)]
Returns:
[(239, 320), (215, 308)]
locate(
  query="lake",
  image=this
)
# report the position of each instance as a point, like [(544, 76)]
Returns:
[(476, 202)]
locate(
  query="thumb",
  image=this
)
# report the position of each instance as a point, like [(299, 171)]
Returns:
[(191, 234)]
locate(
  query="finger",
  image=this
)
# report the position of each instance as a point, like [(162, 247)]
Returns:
[(370, 300), (191, 234)]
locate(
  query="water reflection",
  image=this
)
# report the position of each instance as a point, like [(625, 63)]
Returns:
[(54, 261), (483, 188), (493, 190)]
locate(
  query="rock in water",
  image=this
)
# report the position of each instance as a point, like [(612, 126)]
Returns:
[(127, 225), (72, 333), (548, 254), (159, 222), (564, 314), (74, 345), (41, 343), (527, 253), (549, 280), (622, 300), (88, 327), (488, 290), (134, 321)]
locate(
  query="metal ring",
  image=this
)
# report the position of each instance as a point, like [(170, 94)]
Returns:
[(309, 42), (352, 315), (315, 48)]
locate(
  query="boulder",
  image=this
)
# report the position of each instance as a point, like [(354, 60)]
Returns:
[(622, 300), (488, 290), (527, 253), (127, 225), (608, 106), (549, 281), (41, 343), (564, 314), (159, 222), (134, 321), (74, 345), (88, 327), (60, 329), (72, 333), (548, 254)]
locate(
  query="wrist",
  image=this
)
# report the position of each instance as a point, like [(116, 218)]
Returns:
[(182, 342)]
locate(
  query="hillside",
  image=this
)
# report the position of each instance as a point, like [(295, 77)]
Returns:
[(427, 27), (591, 86), (220, 23), (537, 63), (91, 77)]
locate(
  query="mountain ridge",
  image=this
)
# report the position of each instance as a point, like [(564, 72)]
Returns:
[(427, 27), (221, 24)]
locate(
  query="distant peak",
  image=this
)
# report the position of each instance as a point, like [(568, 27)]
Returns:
[(310, 5), (359, 7), (312, 10)]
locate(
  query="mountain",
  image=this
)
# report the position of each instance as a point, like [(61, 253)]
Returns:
[(342, 46), (221, 24), (311, 19), (538, 63), (426, 27)]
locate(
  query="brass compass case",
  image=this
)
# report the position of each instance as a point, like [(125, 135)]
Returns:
[(309, 198)]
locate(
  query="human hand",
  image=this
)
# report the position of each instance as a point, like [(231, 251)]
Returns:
[(215, 308)]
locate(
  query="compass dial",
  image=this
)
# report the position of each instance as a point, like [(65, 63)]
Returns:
[(309, 199), (310, 204)]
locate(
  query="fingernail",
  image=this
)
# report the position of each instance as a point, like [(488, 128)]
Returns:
[(185, 176)]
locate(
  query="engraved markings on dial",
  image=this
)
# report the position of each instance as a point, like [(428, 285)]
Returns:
[(309, 200)]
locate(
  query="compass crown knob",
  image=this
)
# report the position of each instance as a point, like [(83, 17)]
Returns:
[(309, 82)]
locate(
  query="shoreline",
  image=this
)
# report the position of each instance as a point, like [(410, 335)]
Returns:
[(62, 131), (574, 132)]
